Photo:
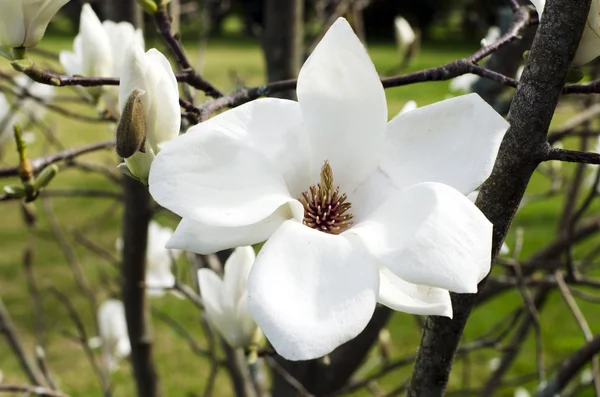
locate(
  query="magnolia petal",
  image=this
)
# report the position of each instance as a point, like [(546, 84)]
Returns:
[(164, 119), (159, 281), (309, 291), (205, 239), (112, 327), (96, 53), (370, 194), (133, 75), (121, 35), (400, 295), (71, 61), (454, 142), (139, 164), (219, 309), (408, 106), (218, 180), (343, 105), (273, 127), (430, 234), (589, 46), (12, 24), (539, 7), (463, 83), (235, 274), (211, 291), (156, 253), (37, 24)]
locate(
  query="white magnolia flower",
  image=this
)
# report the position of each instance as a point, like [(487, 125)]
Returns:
[(92, 55), (23, 22), (113, 337), (98, 51), (356, 210), (463, 83), (521, 392), (405, 35), (225, 300), (158, 259), (121, 36), (492, 35), (152, 74), (589, 46)]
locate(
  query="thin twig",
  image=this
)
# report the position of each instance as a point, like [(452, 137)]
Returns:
[(12, 337), (31, 390), (83, 340), (573, 156), (190, 76), (40, 163), (580, 318)]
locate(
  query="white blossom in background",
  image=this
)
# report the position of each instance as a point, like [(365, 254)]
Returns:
[(226, 300), (463, 83), (92, 55), (521, 392), (589, 46), (494, 363), (400, 230), (159, 276), (113, 338), (405, 35), (152, 74), (159, 259), (27, 106), (121, 36), (98, 51), (586, 376), (24, 22), (493, 34)]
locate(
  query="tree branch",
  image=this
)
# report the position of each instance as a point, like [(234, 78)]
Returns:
[(189, 75), (136, 218), (524, 146), (570, 367), (40, 163), (573, 156)]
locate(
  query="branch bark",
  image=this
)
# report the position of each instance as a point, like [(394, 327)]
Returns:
[(524, 146), (136, 217)]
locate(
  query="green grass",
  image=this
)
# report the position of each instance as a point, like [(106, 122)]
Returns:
[(182, 372)]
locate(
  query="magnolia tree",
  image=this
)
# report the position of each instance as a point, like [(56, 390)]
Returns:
[(308, 222)]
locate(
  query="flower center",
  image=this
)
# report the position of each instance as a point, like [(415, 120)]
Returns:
[(324, 208)]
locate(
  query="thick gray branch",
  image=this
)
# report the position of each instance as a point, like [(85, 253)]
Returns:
[(522, 149)]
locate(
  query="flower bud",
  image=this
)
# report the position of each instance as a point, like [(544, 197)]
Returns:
[(131, 131), (149, 6), (45, 177)]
